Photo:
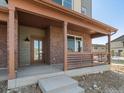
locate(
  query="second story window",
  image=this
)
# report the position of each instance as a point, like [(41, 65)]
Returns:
[(67, 3), (123, 43), (83, 10)]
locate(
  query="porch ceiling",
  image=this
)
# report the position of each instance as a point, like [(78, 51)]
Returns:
[(28, 19)]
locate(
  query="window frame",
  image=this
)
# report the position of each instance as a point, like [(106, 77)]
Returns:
[(84, 8), (72, 4), (82, 42)]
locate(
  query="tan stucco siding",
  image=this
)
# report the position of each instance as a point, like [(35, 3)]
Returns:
[(77, 5), (118, 44), (24, 47)]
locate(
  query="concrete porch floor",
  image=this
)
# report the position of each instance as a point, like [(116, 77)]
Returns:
[(3, 74), (38, 70)]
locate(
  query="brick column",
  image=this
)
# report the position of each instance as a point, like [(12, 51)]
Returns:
[(11, 43), (65, 45), (109, 49)]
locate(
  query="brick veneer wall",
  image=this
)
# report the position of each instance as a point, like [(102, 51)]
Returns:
[(3, 45), (53, 44), (56, 45)]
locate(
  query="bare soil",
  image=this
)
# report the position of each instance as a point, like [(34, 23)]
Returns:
[(107, 82)]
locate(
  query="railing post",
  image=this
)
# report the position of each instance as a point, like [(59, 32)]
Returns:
[(65, 45), (92, 57), (109, 49)]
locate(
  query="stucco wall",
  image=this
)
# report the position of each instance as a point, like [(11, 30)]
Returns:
[(97, 48), (116, 47), (24, 47), (118, 44), (77, 5)]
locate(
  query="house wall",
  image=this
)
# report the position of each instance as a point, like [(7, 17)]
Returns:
[(77, 6), (118, 44), (116, 47), (56, 45), (3, 45), (24, 47), (53, 43), (97, 48)]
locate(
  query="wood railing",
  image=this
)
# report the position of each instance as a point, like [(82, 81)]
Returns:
[(79, 60)]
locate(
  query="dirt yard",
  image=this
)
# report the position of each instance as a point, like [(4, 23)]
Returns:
[(107, 82)]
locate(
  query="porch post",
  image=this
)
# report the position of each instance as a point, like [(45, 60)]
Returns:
[(109, 49), (65, 45), (11, 43)]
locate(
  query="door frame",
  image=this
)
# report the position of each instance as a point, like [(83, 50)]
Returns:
[(32, 38)]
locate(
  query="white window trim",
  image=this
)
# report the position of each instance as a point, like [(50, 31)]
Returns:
[(72, 4), (75, 36)]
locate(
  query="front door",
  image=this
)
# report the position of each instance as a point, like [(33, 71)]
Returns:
[(37, 52)]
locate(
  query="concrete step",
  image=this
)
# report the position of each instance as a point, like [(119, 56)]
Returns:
[(71, 90), (58, 84)]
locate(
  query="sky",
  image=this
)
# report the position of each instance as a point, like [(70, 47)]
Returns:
[(110, 12)]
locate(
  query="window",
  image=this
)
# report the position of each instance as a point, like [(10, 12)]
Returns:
[(67, 3), (83, 10), (74, 44), (123, 44)]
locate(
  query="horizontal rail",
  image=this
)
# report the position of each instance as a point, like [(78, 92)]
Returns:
[(79, 60)]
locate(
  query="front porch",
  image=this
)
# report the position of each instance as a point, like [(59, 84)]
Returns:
[(66, 38)]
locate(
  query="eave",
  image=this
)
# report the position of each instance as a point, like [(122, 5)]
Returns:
[(58, 7), (4, 14)]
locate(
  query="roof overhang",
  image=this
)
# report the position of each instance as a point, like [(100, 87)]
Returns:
[(98, 27), (3, 14), (92, 21)]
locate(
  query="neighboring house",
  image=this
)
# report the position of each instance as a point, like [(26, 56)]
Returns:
[(117, 46), (42, 33), (99, 48)]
